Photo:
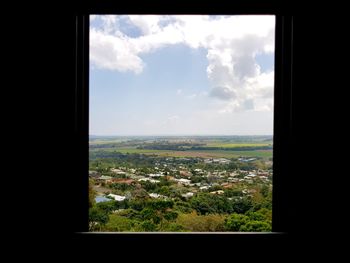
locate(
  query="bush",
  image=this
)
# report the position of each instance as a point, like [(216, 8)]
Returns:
[(108, 206), (97, 218), (173, 227), (170, 215), (161, 205), (205, 203), (256, 226), (148, 226), (241, 206), (150, 215), (248, 223), (235, 221), (201, 223), (118, 223)]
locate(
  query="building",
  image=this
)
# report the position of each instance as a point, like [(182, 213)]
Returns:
[(156, 175), (184, 181), (149, 179), (187, 195), (118, 198), (185, 173), (104, 178)]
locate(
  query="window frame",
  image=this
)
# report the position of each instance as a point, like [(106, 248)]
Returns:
[(283, 107)]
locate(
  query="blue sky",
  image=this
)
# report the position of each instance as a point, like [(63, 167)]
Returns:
[(165, 75)]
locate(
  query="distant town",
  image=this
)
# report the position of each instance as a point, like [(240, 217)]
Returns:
[(181, 184)]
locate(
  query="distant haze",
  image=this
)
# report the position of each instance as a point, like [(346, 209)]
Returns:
[(181, 75)]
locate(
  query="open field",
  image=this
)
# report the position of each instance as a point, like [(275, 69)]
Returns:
[(131, 145), (235, 145)]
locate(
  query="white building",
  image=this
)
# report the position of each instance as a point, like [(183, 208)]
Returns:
[(154, 195), (187, 195), (184, 181), (149, 179), (117, 197), (156, 175)]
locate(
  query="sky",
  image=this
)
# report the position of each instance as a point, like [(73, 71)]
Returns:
[(181, 75)]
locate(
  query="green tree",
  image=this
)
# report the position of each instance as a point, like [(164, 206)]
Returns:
[(118, 223), (170, 215), (97, 218), (148, 226), (264, 190), (235, 221), (92, 194), (201, 223), (256, 226), (150, 214), (241, 206)]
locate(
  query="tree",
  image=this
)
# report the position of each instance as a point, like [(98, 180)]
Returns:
[(256, 226), (252, 222), (241, 206), (160, 205), (92, 194), (97, 218), (170, 215), (118, 223), (148, 226), (150, 214), (108, 206), (201, 223), (235, 221), (264, 190)]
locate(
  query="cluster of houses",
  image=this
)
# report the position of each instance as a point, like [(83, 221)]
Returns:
[(218, 160), (182, 177)]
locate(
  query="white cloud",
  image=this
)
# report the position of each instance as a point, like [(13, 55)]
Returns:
[(147, 23), (113, 53), (232, 42)]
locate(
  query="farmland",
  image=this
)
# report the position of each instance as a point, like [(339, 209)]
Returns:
[(205, 147)]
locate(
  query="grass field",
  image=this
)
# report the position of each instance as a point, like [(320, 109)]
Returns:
[(120, 145), (198, 153), (99, 141), (235, 145)]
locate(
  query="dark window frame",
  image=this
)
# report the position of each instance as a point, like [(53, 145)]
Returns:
[(282, 104)]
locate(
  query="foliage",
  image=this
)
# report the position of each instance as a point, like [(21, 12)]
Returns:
[(97, 218), (161, 205), (108, 206), (235, 221), (242, 205), (170, 215), (151, 215), (148, 226), (205, 203), (250, 222), (201, 223), (119, 223), (256, 226), (92, 194)]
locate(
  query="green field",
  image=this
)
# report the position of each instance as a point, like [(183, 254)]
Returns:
[(127, 145), (198, 153), (235, 145)]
